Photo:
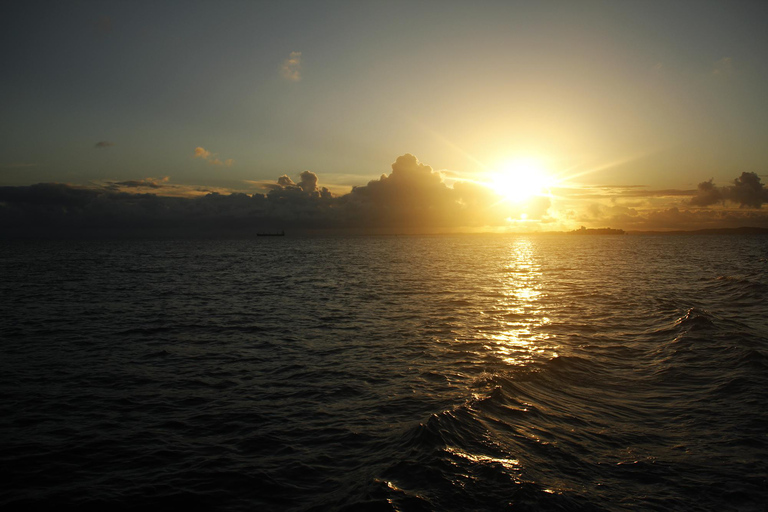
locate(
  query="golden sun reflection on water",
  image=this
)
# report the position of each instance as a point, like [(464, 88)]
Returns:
[(510, 464), (520, 313)]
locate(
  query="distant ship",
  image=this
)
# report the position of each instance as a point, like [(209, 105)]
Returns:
[(282, 233)]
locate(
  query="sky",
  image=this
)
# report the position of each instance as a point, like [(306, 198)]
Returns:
[(634, 115)]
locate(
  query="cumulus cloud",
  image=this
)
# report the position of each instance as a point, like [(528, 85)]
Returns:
[(411, 198), (211, 158), (413, 193), (291, 67), (747, 191), (414, 196), (202, 153), (707, 194), (306, 187), (739, 204), (103, 144), (637, 208), (308, 181), (285, 181)]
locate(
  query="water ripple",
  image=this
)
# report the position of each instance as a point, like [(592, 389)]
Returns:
[(391, 373)]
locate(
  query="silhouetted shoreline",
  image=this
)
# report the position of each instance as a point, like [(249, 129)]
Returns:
[(744, 230), (599, 231), (240, 233)]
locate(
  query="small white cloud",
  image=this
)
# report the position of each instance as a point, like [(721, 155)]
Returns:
[(212, 158), (202, 153), (291, 68)]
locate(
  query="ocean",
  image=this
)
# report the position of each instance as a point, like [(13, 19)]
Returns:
[(413, 373)]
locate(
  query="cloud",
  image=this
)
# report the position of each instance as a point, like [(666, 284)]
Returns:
[(306, 187), (411, 198), (285, 181), (710, 206), (211, 158), (747, 191), (683, 219), (291, 67), (103, 144), (161, 186), (707, 194), (665, 219), (635, 208), (267, 185), (414, 198), (614, 191), (308, 181), (202, 153), (154, 183)]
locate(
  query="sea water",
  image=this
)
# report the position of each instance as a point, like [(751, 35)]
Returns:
[(386, 373)]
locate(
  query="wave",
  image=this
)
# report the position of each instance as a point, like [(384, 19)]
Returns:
[(541, 373), (583, 432)]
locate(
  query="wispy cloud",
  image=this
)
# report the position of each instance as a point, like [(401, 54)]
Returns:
[(291, 68), (154, 183), (212, 158), (618, 191), (159, 187), (103, 144)]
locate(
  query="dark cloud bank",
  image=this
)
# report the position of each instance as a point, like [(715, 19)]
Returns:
[(747, 191), (411, 199)]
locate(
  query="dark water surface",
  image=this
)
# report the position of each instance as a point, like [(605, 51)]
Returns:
[(386, 373)]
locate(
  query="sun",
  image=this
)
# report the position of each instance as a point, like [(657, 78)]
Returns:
[(521, 179)]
